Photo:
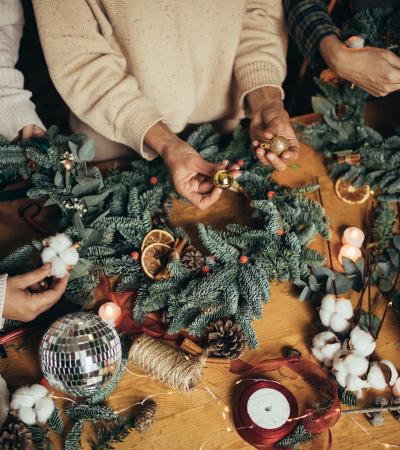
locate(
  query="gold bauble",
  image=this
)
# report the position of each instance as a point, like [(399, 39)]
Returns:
[(68, 164), (223, 179), (277, 145)]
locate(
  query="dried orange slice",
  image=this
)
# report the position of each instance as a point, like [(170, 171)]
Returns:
[(161, 236), (154, 260), (351, 194)]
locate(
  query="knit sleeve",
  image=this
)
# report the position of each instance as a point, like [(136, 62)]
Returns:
[(91, 76), (261, 56), (3, 285), (308, 23), (16, 110)]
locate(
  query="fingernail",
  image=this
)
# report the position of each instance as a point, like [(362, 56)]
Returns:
[(47, 266), (285, 156), (225, 162), (260, 152), (271, 157)]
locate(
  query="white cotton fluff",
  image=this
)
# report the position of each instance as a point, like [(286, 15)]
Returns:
[(356, 384), (339, 324), (325, 346), (376, 378), (22, 398), (44, 408), (335, 313), (61, 253), (38, 391), (341, 378), (4, 401), (27, 415), (361, 342), (355, 365)]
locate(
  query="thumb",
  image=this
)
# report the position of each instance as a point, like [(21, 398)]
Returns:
[(30, 278), (207, 168)]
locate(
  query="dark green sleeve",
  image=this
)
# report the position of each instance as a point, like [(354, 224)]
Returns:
[(308, 23)]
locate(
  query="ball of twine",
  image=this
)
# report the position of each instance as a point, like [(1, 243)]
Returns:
[(168, 364)]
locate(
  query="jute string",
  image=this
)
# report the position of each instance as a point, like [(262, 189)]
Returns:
[(168, 364)]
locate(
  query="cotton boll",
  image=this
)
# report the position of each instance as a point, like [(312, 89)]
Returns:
[(328, 303), (329, 350), (22, 398), (317, 353), (361, 342), (325, 317), (344, 308), (48, 254), (393, 371), (70, 256), (339, 324), (4, 401), (355, 365), (27, 415), (341, 377), (38, 391), (376, 378), (59, 242), (356, 384), (58, 268), (44, 408), (321, 339)]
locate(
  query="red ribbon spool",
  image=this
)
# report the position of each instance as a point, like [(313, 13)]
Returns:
[(254, 434)]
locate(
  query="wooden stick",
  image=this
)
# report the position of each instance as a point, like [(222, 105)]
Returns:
[(383, 319), (328, 241), (371, 410), (191, 347)]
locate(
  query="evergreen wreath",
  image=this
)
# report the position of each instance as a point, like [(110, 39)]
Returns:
[(110, 216)]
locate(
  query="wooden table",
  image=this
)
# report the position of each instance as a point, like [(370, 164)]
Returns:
[(194, 420)]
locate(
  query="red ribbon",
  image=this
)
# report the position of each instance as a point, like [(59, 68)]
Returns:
[(314, 421), (125, 323)]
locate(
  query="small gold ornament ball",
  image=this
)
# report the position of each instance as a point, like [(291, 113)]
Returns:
[(279, 144), (223, 179), (68, 164)]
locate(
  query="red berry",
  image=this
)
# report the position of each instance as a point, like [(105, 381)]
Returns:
[(240, 162), (135, 256), (271, 194), (281, 231), (244, 259), (205, 269), (153, 181)]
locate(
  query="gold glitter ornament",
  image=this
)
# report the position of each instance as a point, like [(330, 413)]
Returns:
[(223, 179), (277, 145)]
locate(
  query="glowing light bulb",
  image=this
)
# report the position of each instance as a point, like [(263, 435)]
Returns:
[(348, 251), (353, 236), (110, 312)]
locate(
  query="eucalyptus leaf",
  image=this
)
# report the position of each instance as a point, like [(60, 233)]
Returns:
[(320, 271), (90, 186), (78, 224), (74, 149), (59, 179), (81, 269), (304, 293), (343, 284), (49, 202), (396, 242), (364, 322), (95, 200), (313, 283), (385, 284), (322, 106), (394, 256), (349, 266), (86, 151), (92, 236)]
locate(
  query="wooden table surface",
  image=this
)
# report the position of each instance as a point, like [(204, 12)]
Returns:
[(190, 421)]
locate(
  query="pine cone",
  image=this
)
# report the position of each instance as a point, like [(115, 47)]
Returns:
[(193, 259), (226, 339), (15, 436), (162, 215), (145, 416)]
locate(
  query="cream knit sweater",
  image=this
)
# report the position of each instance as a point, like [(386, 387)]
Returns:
[(123, 65), (16, 110)]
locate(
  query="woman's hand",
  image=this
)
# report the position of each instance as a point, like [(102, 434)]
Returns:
[(268, 119), (193, 177), (375, 70), (23, 305), (31, 131)]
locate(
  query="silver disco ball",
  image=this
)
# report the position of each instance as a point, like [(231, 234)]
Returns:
[(80, 353)]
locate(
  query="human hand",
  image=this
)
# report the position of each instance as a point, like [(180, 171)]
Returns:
[(31, 131), (269, 119), (375, 70), (193, 177), (21, 304)]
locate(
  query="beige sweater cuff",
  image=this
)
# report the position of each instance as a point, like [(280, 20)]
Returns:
[(132, 124), (256, 75), (16, 116)]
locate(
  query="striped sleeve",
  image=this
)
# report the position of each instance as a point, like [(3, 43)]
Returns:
[(308, 23)]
